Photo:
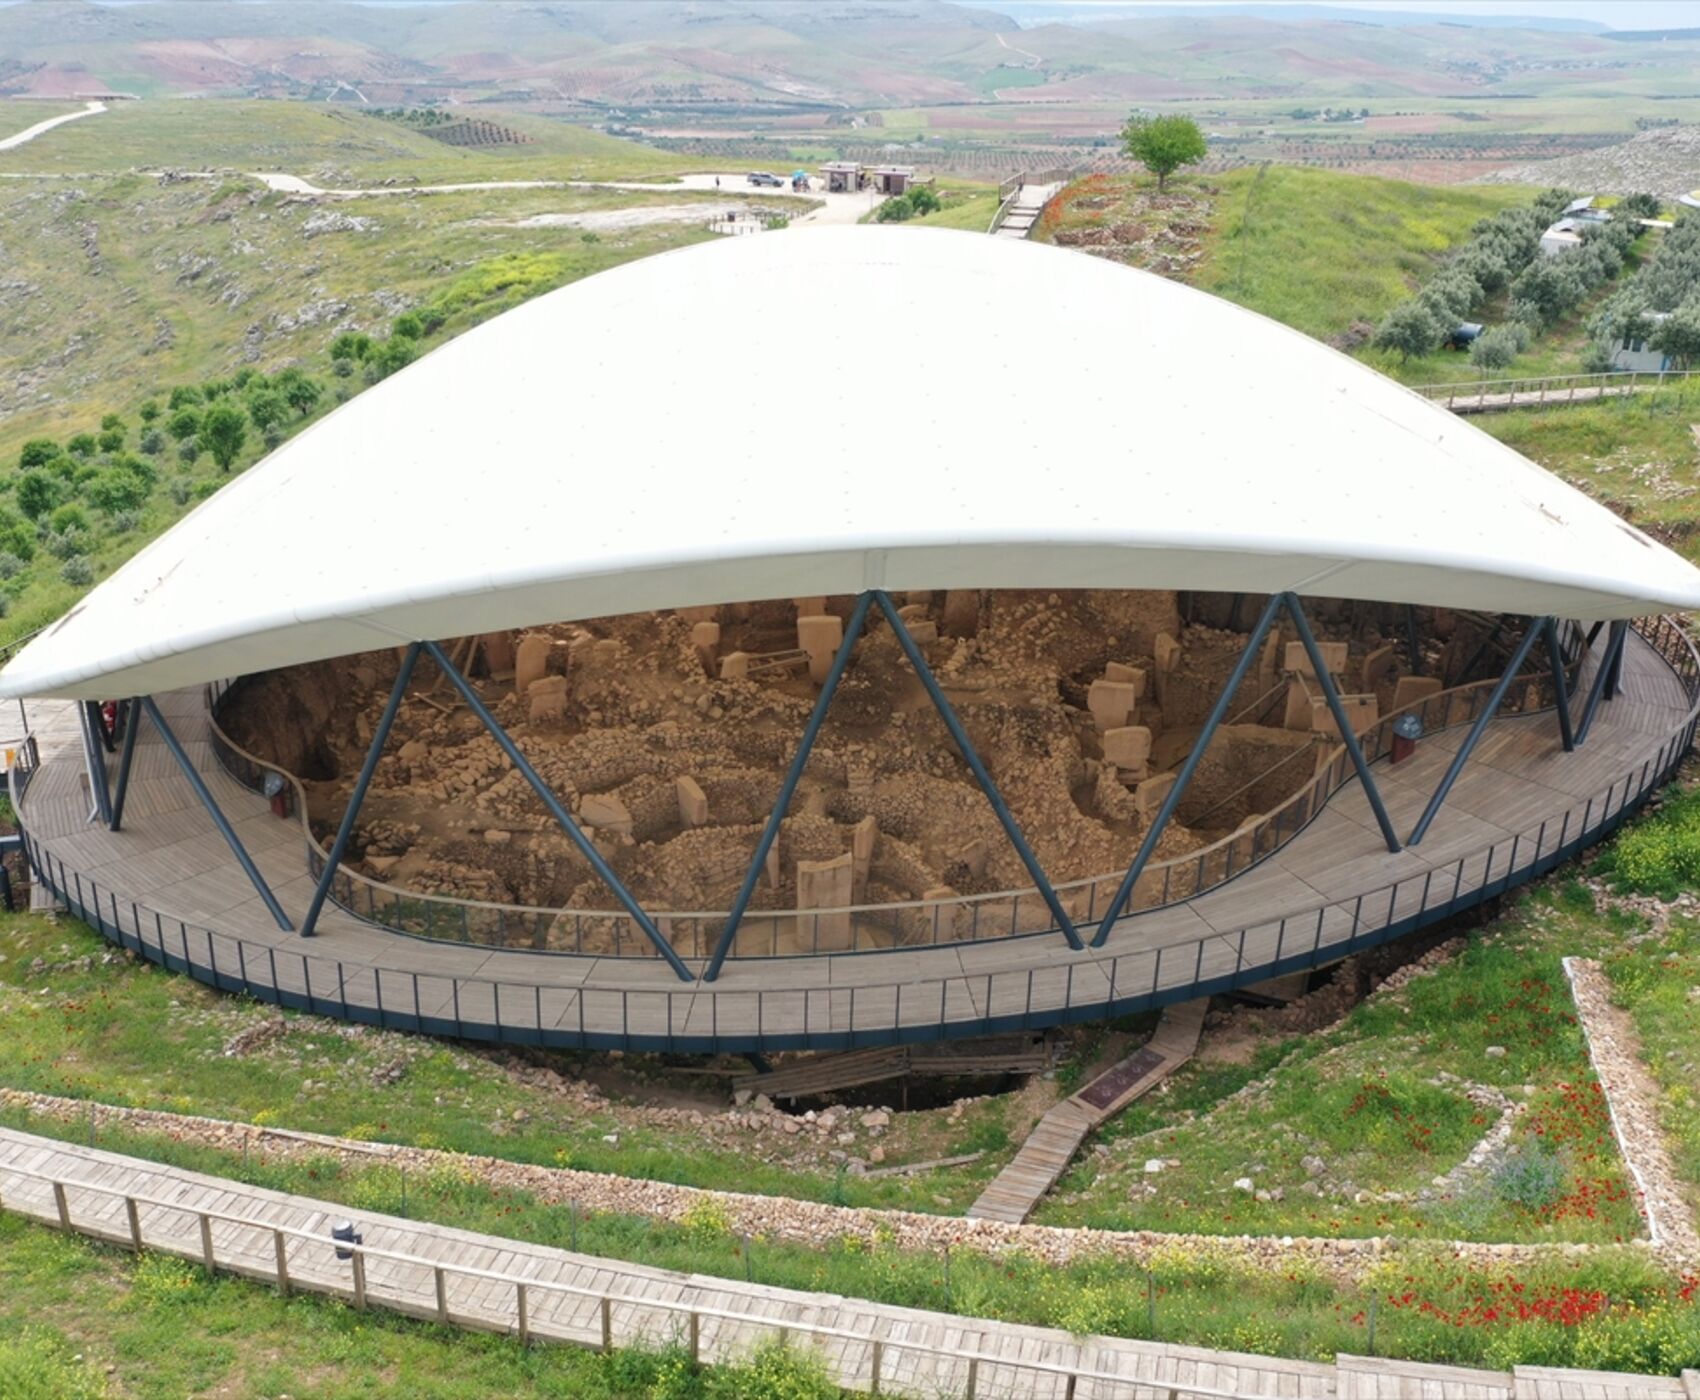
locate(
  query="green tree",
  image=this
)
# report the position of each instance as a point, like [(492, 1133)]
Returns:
[(267, 408), (223, 431), (82, 445), (39, 492), (302, 394), (351, 345), (896, 210), (111, 439), (116, 489), (1494, 349), (1163, 144), (1408, 329), (37, 452), (183, 396), (184, 423), (1678, 336), (395, 353), (408, 326), (924, 200), (148, 411)]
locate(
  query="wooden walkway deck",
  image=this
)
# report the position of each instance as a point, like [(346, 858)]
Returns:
[(1014, 1192), (550, 1295), (167, 886)]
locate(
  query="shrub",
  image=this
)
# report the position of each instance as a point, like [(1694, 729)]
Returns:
[(395, 353), (151, 441), (408, 326), (184, 396), (10, 566), (189, 451), (1410, 328), (184, 423), (351, 345), (896, 210), (38, 492), (111, 440), (706, 1220), (114, 490), (68, 517), (77, 572), (1495, 349), (124, 521), (1659, 856), (148, 411), (82, 445), (181, 489), (68, 544), (37, 452), (267, 408), (1531, 1177), (773, 1372)]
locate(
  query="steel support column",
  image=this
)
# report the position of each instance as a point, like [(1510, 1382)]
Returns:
[(959, 736), (225, 829), (1561, 690), (94, 751), (788, 788), (1154, 832), (1412, 645), (132, 722), (1518, 657), (1330, 691), (1596, 691), (357, 798), (586, 847)]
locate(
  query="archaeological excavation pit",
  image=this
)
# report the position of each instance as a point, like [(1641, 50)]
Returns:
[(668, 736)]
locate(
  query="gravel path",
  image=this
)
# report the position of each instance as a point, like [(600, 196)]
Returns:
[(1633, 1099), (29, 133)]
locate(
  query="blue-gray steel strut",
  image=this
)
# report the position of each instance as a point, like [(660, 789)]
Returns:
[(225, 829), (1154, 832), (1561, 691), (585, 846), (1602, 674), (788, 788), (94, 744), (959, 736), (1489, 710), (133, 722), (357, 798), (1331, 692)]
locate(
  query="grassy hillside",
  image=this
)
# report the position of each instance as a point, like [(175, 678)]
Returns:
[(1319, 250), (328, 145)]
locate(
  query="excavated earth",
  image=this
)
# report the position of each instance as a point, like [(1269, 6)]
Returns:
[(645, 707)]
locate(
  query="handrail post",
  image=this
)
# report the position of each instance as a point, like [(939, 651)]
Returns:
[(280, 1248), (135, 1218), (208, 1261), (359, 1263), (442, 1285), (607, 1324), (356, 799), (62, 1205)]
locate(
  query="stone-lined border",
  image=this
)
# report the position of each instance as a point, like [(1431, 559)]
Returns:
[(806, 1223), (1632, 1100)]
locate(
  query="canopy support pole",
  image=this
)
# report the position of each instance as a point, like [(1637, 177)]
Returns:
[(1154, 832), (1597, 690), (132, 722), (1481, 650), (788, 788), (959, 736), (1412, 645), (94, 754), (357, 798), (1561, 691), (1489, 710), (1296, 611), (586, 847), (225, 829)]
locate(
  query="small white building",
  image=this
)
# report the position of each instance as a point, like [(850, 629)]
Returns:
[(1637, 355)]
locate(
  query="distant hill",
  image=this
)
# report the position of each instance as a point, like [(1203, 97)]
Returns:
[(1097, 11), (1664, 162), (730, 55)]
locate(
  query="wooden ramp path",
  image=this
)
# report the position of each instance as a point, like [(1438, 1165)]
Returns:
[(848, 1069), (542, 1294), (1050, 1147)]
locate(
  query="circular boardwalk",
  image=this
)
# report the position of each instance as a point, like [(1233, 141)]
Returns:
[(167, 886)]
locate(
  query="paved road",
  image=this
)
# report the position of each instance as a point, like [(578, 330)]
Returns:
[(29, 133), (833, 208)]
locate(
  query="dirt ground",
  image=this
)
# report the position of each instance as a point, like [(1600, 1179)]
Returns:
[(673, 766)]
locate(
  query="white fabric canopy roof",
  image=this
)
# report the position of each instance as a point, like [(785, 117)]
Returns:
[(825, 410)]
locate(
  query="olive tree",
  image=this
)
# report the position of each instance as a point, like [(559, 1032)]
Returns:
[(223, 431), (1163, 144)]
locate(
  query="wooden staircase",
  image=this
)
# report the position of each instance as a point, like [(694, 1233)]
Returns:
[(1018, 1188)]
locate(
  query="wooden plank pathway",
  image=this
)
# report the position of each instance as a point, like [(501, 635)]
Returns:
[(848, 1069), (543, 1294), (167, 886), (1014, 1192)]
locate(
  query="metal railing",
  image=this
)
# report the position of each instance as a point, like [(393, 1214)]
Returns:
[(729, 1018), (618, 1319), (870, 928), (1552, 389)]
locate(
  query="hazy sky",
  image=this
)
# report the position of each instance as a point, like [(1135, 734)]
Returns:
[(1620, 14)]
